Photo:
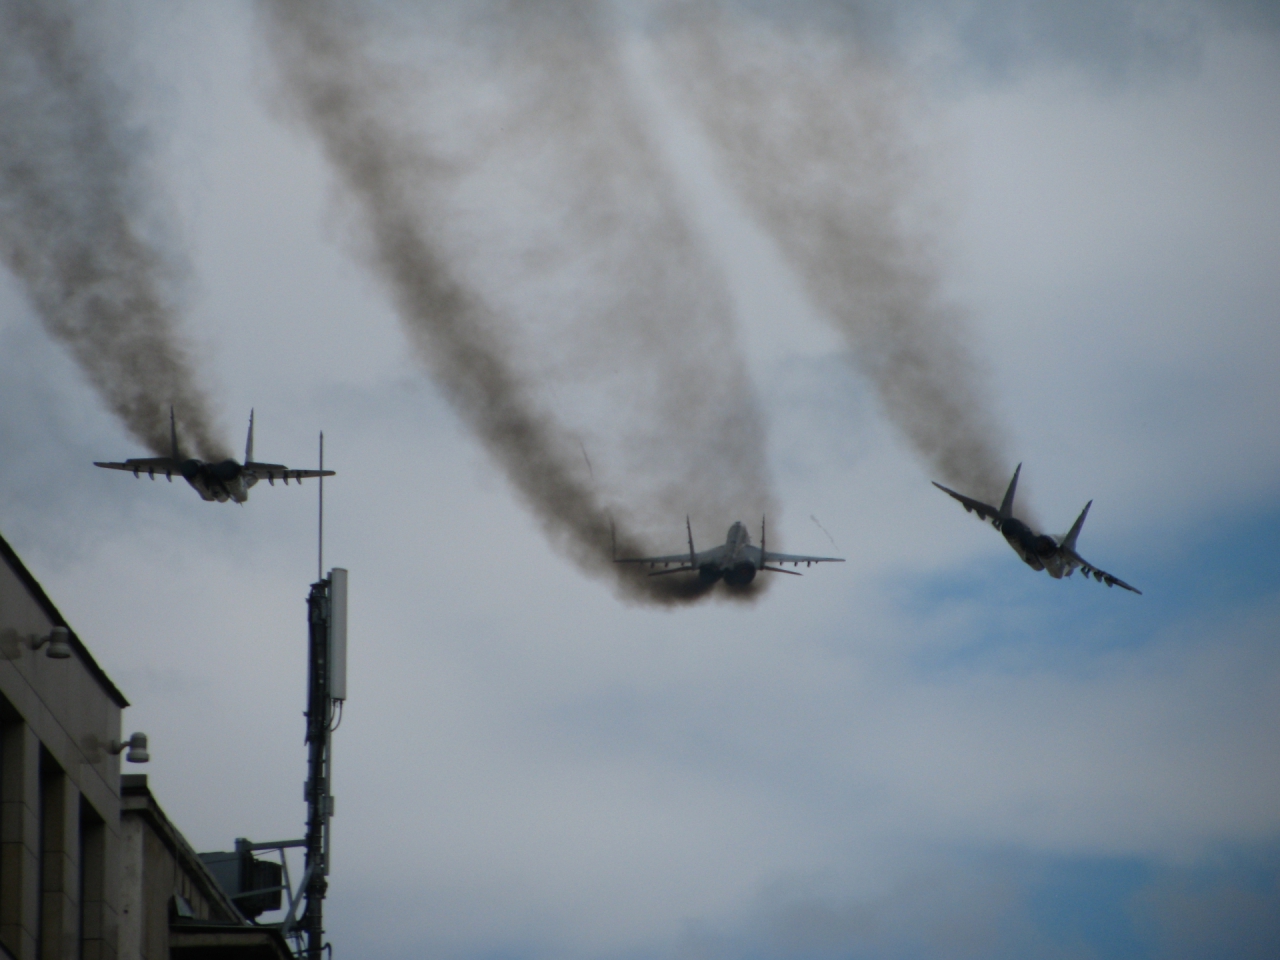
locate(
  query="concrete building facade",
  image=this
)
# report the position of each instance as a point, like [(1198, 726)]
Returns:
[(89, 869), (171, 907), (59, 784)]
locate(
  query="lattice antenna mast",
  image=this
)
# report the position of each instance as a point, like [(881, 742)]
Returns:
[(320, 525), (326, 694)]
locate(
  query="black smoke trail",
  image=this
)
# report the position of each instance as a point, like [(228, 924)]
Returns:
[(507, 196), (72, 205), (816, 134)]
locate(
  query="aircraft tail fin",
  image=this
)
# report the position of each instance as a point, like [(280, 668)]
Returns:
[(762, 540), (1069, 541), (248, 444), (1006, 505), (693, 557), (173, 435)]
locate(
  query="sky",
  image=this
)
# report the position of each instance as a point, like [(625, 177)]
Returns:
[(926, 751)]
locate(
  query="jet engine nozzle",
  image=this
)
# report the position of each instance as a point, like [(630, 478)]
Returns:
[(709, 573), (1045, 545), (226, 471), (191, 469)]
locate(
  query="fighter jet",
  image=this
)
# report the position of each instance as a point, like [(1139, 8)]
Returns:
[(1039, 551), (223, 481), (735, 561)]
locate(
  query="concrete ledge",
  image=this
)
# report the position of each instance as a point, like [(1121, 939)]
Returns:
[(191, 941)]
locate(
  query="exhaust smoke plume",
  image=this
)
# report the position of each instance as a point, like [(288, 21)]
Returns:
[(505, 192), (815, 135), (71, 215)]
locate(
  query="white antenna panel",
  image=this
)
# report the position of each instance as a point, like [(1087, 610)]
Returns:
[(338, 633)]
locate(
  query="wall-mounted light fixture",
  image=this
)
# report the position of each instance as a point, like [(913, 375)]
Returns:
[(136, 745), (59, 641)]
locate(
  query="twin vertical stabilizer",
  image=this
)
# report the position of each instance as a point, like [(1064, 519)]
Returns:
[(1006, 505), (1069, 541)]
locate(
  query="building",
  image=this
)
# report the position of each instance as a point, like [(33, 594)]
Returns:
[(171, 906), (90, 866)]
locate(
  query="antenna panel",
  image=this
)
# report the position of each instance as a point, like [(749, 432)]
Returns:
[(338, 633)]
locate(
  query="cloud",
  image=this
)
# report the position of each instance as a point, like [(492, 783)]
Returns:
[(928, 748), (1007, 40), (1018, 904), (1229, 907)]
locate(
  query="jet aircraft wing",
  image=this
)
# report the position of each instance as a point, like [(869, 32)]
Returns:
[(684, 562), (703, 556), (278, 471), (147, 465), (671, 558), (984, 510), (1100, 575), (795, 558)]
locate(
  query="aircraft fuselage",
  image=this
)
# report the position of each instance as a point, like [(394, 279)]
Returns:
[(734, 566), (1039, 551), (736, 561), (222, 481)]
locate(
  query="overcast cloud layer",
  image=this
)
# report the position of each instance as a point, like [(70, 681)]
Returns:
[(927, 751)]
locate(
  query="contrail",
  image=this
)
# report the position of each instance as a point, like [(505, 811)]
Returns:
[(505, 193), (815, 136), (71, 210), (824, 530)]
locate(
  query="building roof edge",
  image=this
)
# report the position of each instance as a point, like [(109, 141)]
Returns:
[(136, 797), (52, 612)]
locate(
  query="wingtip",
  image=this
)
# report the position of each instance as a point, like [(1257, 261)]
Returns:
[(949, 492)]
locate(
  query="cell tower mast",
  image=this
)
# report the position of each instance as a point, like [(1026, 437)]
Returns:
[(326, 693)]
